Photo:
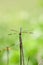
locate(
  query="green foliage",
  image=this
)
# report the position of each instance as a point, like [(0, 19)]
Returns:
[(15, 57), (27, 14)]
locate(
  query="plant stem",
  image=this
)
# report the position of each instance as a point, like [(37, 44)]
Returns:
[(21, 49), (7, 55)]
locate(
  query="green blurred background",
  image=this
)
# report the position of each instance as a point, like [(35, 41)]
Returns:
[(27, 14)]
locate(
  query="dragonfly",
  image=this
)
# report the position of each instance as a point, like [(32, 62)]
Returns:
[(21, 44), (7, 48)]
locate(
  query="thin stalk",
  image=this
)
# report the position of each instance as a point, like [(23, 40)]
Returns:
[(21, 49), (28, 60), (7, 55), (23, 55)]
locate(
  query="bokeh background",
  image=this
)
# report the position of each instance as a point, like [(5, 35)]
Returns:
[(27, 14)]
